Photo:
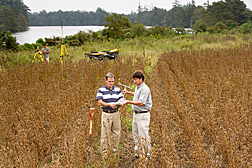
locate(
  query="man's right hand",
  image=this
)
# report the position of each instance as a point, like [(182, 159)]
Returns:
[(125, 91), (128, 92), (113, 106)]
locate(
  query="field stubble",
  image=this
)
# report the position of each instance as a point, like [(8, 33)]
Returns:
[(201, 115)]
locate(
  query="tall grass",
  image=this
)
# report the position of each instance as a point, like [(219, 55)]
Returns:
[(150, 47), (205, 109), (201, 115)]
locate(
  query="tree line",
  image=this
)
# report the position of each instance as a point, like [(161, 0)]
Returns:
[(232, 12), (13, 16), (67, 18), (119, 28)]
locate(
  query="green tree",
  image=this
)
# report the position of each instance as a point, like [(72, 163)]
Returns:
[(198, 13), (140, 16), (7, 19), (11, 42), (202, 27), (220, 27), (246, 28), (7, 41), (117, 25), (137, 30), (222, 11), (164, 31), (239, 11), (231, 24), (176, 3), (100, 15), (22, 22), (43, 19), (189, 11), (211, 29), (176, 17), (13, 15), (156, 17), (40, 41)]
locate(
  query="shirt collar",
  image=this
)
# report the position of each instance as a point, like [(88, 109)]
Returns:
[(140, 85), (108, 88)]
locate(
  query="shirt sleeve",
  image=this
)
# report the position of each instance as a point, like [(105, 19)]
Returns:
[(143, 96), (99, 95), (120, 94)]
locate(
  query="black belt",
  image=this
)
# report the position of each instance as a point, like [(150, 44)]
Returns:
[(138, 112), (110, 111)]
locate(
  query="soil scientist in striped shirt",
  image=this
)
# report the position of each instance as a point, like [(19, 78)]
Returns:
[(109, 97)]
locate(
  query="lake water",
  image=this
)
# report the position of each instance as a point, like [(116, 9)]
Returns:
[(36, 32)]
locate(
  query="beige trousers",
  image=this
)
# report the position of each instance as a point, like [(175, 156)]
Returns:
[(46, 60), (110, 131), (140, 132)]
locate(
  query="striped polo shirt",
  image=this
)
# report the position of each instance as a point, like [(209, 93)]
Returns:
[(109, 96)]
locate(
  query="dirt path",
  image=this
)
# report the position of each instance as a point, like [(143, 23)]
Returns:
[(127, 152)]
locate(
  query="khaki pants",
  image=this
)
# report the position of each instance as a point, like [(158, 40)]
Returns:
[(110, 131), (140, 132), (46, 60)]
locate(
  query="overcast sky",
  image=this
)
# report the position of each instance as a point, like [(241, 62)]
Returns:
[(117, 6)]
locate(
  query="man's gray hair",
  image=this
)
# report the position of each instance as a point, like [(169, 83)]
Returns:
[(109, 75)]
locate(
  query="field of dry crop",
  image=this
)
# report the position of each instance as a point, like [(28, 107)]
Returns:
[(201, 115)]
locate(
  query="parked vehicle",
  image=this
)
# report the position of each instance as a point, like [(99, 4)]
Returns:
[(110, 54)]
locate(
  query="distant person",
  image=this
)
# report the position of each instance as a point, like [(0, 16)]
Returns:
[(108, 97), (141, 105), (45, 53)]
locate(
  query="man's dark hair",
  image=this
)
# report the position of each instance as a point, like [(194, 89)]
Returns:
[(138, 74), (109, 75), (44, 44)]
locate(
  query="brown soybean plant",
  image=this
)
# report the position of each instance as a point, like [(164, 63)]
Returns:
[(201, 114)]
